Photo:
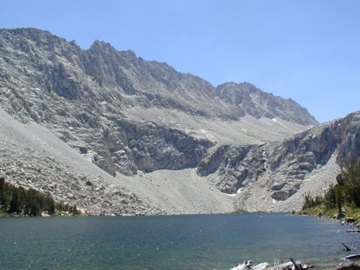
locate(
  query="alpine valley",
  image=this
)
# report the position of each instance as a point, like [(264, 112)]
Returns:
[(114, 134)]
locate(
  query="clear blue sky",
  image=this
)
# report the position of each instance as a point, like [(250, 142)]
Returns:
[(307, 50)]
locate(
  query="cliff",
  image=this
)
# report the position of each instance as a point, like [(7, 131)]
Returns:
[(148, 139)]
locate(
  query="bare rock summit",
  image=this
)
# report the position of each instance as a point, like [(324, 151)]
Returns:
[(152, 139)]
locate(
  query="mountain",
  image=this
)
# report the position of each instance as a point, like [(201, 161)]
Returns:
[(276, 176), (134, 136)]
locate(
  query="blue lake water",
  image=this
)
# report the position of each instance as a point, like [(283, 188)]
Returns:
[(170, 242)]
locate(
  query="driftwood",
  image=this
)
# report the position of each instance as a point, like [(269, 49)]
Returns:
[(248, 265), (283, 266), (353, 231), (296, 266), (352, 256), (346, 247)]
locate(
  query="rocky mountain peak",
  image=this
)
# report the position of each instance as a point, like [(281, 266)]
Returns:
[(98, 90), (134, 118), (154, 83), (250, 100), (101, 48)]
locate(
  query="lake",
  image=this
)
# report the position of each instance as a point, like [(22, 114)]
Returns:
[(170, 242)]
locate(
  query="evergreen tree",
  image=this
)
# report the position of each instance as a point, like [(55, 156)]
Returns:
[(14, 203), (29, 202), (352, 183), (6, 191), (345, 192)]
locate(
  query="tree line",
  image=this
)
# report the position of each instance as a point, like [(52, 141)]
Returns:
[(18, 200), (346, 192)]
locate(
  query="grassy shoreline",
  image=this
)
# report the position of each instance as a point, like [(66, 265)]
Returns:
[(348, 215)]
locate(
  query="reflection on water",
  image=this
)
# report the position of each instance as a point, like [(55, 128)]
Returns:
[(170, 242)]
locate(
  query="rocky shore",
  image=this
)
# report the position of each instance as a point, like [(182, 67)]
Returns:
[(292, 265), (296, 265)]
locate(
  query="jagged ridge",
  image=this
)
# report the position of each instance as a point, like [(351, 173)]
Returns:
[(281, 169), (86, 96), (106, 105), (122, 79)]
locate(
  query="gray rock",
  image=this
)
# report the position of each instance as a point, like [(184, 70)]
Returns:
[(247, 99), (348, 266), (86, 98), (279, 168)]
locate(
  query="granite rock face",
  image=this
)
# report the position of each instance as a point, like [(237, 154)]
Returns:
[(247, 99), (106, 104), (33, 157), (82, 96), (281, 168)]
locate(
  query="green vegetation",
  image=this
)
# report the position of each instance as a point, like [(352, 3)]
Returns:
[(340, 199), (19, 201), (240, 211)]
